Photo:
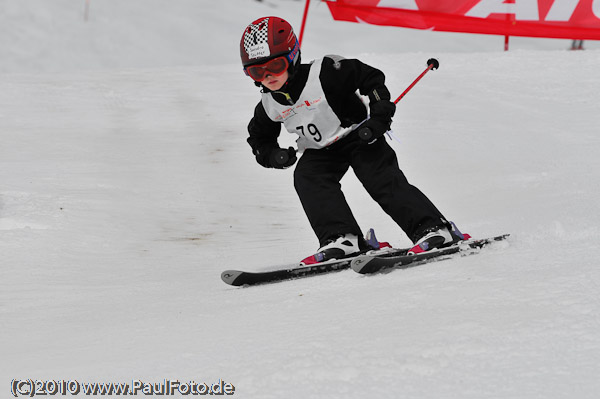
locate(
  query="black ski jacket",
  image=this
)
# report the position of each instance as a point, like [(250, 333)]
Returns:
[(340, 79)]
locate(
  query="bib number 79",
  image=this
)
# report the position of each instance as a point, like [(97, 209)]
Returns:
[(312, 130)]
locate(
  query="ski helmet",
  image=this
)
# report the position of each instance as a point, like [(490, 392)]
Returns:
[(268, 38)]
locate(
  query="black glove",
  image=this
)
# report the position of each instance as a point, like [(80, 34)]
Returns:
[(378, 123), (282, 159)]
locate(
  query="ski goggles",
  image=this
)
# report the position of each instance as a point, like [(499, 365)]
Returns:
[(276, 66)]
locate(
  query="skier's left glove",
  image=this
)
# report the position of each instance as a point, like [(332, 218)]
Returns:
[(378, 123), (283, 158)]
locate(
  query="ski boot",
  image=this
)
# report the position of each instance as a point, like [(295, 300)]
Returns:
[(438, 237), (345, 246)]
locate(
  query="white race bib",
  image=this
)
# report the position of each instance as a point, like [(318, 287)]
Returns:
[(311, 117)]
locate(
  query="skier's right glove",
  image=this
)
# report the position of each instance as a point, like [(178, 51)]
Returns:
[(281, 158)]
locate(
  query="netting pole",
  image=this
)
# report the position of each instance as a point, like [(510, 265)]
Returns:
[(303, 22)]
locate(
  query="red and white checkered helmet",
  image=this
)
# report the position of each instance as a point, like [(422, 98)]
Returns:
[(268, 38)]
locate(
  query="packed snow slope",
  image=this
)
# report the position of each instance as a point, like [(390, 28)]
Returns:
[(126, 187)]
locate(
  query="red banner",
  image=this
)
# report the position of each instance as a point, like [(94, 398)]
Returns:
[(565, 19)]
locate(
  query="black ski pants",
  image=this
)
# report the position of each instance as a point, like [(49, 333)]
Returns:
[(317, 181)]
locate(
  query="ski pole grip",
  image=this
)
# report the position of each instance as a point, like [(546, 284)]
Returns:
[(282, 157), (365, 133), (433, 63)]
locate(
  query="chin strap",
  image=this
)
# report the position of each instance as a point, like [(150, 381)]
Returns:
[(286, 95)]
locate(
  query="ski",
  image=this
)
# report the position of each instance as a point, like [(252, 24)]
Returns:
[(368, 264), (239, 277), (371, 262)]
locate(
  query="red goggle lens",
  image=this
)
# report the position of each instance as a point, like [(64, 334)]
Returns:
[(276, 67)]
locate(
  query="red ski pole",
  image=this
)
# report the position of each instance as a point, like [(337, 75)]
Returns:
[(366, 133), (432, 63)]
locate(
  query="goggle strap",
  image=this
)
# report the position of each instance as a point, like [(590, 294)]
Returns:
[(293, 54)]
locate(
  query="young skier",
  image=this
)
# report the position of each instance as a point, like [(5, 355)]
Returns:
[(320, 103)]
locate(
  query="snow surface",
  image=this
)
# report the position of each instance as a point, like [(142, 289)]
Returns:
[(126, 187)]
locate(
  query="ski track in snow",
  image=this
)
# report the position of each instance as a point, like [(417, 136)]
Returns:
[(127, 187)]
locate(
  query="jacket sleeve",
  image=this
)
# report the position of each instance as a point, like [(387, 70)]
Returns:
[(341, 78), (371, 83), (263, 136)]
